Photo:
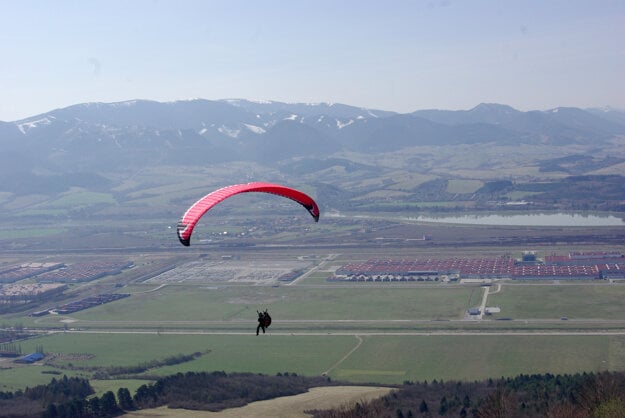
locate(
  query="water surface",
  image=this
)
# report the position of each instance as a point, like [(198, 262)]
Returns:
[(534, 219)]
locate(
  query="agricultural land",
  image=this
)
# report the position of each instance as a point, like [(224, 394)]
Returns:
[(381, 328)]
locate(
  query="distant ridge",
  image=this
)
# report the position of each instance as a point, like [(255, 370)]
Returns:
[(140, 133)]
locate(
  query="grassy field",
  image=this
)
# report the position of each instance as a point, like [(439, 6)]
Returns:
[(375, 333), (587, 301), (380, 359), (392, 360), (80, 198), (463, 186), (270, 354), (180, 303), (15, 378)]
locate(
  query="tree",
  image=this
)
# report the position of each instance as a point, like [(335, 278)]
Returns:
[(443, 407), (51, 411), (94, 406), (124, 399), (423, 407), (78, 407), (108, 404), (499, 404), (63, 411)]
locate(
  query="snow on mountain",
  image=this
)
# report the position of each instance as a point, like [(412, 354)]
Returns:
[(255, 129), (31, 124), (232, 133), (341, 125), (226, 129)]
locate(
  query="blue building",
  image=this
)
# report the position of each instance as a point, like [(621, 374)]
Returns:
[(30, 358)]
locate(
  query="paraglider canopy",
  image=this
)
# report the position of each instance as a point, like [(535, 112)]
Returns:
[(199, 208)]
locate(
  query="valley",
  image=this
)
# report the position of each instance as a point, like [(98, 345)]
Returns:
[(122, 303)]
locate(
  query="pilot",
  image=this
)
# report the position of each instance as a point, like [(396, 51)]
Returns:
[(264, 320)]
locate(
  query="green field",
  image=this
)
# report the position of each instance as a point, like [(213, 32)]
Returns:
[(391, 360), (184, 303), (355, 332), (463, 186), (588, 301), (381, 359)]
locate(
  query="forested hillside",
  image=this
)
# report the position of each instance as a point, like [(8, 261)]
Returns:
[(556, 396)]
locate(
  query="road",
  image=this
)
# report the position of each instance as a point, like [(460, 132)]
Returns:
[(325, 261), (351, 327), (482, 333)]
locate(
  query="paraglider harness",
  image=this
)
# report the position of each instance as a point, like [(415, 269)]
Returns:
[(264, 320)]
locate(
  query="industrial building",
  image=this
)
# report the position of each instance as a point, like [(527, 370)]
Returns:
[(575, 266)]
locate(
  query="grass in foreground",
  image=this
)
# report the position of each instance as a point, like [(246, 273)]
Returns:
[(378, 359)]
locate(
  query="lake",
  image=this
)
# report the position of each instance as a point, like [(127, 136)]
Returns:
[(533, 219)]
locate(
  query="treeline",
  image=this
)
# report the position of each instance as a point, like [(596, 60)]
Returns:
[(553, 396), (217, 390), (10, 348), (103, 373), (10, 334), (35, 401), (64, 398), (73, 397), (116, 372)]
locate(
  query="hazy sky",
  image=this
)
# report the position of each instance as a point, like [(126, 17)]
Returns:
[(391, 55)]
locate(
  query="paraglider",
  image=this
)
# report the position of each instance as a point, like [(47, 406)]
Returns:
[(199, 208), (264, 320)]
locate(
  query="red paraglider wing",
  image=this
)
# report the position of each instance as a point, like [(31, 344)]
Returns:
[(199, 208)]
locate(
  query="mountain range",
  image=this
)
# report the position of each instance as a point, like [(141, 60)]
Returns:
[(81, 145), (141, 132)]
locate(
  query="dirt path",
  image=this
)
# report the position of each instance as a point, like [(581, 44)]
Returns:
[(345, 356)]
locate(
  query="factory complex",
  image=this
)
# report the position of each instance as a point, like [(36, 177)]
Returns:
[(573, 266)]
